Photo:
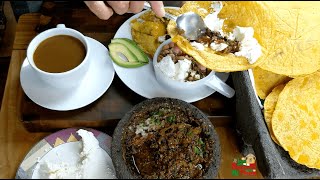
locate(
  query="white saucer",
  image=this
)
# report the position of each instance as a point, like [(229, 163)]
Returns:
[(96, 82), (142, 80)]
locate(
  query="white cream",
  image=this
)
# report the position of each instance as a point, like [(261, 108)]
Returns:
[(92, 163), (182, 69), (166, 65), (218, 47), (216, 6), (89, 143), (197, 45), (214, 23), (178, 71), (249, 46), (231, 36), (60, 171)]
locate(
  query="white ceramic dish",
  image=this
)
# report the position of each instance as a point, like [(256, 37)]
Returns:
[(73, 76), (95, 83), (211, 80), (142, 80), (62, 146)]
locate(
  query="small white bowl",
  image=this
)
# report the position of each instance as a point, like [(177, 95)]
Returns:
[(211, 80)]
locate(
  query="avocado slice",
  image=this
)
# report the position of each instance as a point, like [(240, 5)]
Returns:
[(133, 47), (115, 48)]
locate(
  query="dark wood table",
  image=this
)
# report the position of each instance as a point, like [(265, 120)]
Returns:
[(24, 123)]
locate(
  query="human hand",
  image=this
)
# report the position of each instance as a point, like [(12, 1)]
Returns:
[(104, 9)]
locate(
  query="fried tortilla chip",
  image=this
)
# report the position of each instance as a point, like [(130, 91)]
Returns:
[(269, 106), (235, 13), (148, 28), (296, 35), (265, 81), (296, 120)]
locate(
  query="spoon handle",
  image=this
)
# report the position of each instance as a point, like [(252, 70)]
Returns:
[(167, 15)]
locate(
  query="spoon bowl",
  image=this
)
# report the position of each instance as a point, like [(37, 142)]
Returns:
[(190, 24)]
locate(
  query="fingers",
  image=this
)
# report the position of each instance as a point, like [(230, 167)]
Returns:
[(100, 9), (157, 7), (136, 6), (120, 7)]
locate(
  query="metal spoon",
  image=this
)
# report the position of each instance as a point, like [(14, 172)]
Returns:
[(190, 23)]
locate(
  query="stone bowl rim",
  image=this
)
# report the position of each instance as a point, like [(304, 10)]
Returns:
[(120, 166)]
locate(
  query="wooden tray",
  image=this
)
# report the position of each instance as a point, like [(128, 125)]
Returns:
[(19, 114), (108, 109)]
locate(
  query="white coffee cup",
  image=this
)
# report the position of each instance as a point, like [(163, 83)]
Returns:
[(211, 80), (66, 79)]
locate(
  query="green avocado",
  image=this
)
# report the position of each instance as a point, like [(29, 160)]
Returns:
[(115, 48), (133, 47)]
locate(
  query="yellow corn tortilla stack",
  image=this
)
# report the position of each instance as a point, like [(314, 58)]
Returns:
[(265, 81), (296, 120), (269, 107), (296, 35)]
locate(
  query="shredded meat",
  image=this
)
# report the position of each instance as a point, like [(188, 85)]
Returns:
[(177, 54), (177, 145), (216, 37)]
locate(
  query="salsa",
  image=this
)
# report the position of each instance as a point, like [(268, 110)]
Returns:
[(167, 141)]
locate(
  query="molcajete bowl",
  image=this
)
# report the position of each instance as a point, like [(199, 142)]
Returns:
[(165, 138)]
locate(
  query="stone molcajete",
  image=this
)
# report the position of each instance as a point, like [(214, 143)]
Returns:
[(165, 138)]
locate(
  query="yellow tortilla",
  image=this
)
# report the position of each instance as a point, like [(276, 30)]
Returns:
[(269, 106), (235, 13), (296, 120), (265, 81), (146, 29), (296, 35)]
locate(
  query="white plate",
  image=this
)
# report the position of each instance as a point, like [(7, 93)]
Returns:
[(62, 146), (68, 153), (96, 82), (142, 80)]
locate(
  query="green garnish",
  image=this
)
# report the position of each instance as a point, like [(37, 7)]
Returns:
[(171, 119), (198, 151), (157, 121), (200, 142), (144, 124), (154, 113), (157, 113)]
